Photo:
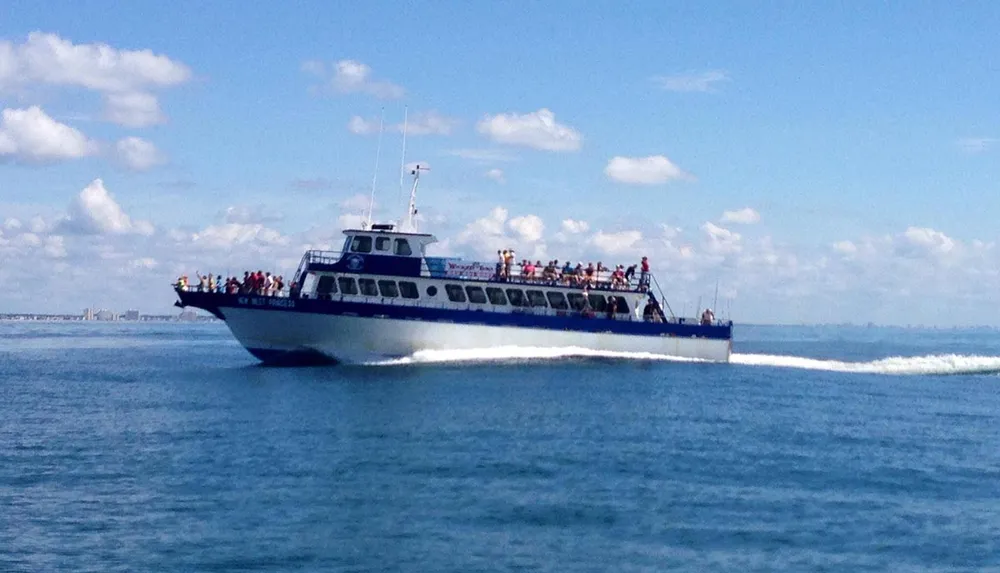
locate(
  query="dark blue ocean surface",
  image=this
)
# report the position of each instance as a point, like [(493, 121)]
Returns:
[(141, 447)]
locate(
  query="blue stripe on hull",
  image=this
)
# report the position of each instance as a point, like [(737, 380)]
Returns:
[(217, 303)]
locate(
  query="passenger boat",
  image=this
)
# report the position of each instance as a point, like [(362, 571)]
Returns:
[(382, 297)]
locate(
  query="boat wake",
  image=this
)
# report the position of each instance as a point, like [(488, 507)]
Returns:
[(937, 364), (933, 364), (520, 353)]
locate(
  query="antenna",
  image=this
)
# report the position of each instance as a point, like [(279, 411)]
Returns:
[(411, 209), (715, 301), (402, 160), (378, 151)]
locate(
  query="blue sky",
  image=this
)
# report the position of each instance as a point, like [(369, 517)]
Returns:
[(853, 145)]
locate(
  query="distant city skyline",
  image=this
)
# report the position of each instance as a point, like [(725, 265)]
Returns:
[(819, 163), (107, 315)]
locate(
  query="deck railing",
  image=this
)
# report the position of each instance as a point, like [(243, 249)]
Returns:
[(321, 257), (484, 272), (634, 315)]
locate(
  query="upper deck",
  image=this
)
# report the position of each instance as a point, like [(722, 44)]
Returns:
[(383, 251)]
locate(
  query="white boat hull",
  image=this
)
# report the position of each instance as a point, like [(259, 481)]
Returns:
[(353, 339)]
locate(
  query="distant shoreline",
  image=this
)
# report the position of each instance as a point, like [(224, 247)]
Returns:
[(37, 317)]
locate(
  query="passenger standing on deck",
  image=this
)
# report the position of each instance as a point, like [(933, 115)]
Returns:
[(612, 307), (629, 273), (501, 259), (508, 263), (644, 276), (707, 317)]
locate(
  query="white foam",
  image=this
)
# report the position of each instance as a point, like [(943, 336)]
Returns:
[(898, 365), (504, 353), (901, 365)]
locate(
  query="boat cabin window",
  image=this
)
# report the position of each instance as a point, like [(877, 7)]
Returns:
[(402, 248), (516, 297), (382, 243), (361, 244), (388, 288), (557, 300), (536, 298), (577, 301), (408, 289), (476, 294), (455, 293), (496, 295), (597, 302), (622, 304), (327, 285), (347, 285), (367, 287)]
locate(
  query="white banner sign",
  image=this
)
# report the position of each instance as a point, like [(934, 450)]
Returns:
[(471, 270)]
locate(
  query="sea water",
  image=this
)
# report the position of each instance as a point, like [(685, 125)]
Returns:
[(165, 447)]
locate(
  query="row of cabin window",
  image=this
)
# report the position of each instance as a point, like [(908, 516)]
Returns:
[(367, 287), (363, 244), (533, 298), (456, 293)]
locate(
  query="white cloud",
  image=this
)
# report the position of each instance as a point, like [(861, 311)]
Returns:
[(485, 236), (651, 170), (138, 154), (483, 155), (49, 59), (147, 263), (846, 248), (423, 123), (573, 227), (94, 211), (31, 136), (351, 76), (528, 228), (925, 241), (361, 126), (249, 214), (914, 275), (55, 247), (489, 225), (496, 175), (538, 130), (135, 109), (976, 144), (350, 221), (124, 77), (721, 241), (744, 216), (692, 82), (357, 202), (230, 234), (619, 243), (428, 123)]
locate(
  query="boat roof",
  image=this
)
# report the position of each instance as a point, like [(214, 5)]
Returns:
[(387, 229)]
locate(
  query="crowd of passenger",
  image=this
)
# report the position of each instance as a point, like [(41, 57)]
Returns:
[(555, 273), (258, 283)]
